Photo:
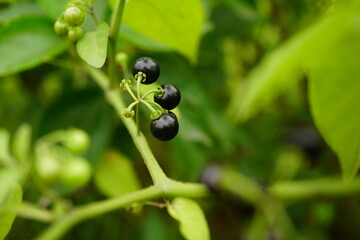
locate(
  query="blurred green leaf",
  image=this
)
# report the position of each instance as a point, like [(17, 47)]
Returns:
[(281, 69), (114, 175), (86, 110), (155, 227), (334, 89), (176, 23), (4, 146), (21, 143), (92, 48), (288, 163), (128, 35), (53, 8), (193, 225), (27, 42), (8, 178), (14, 199), (18, 10)]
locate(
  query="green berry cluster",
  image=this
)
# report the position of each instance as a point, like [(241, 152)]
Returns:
[(58, 158), (70, 22)]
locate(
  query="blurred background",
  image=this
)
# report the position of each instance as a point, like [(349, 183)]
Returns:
[(279, 143)]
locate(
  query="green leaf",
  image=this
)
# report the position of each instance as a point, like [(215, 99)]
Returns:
[(53, 8), (176, 23), (27, 42), (92, 48), (193, 225), (18, 10), (114, 175), (21, 143), (14, 199), (280, 70), (86, 110), (4, 146), (334, 93)]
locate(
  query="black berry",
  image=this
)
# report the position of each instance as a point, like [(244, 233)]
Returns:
[(149, 67), (165, 127), (170, 98)]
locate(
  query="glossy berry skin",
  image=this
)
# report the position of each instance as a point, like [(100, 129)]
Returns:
[(170, 98), (149, 67), (165, 127)]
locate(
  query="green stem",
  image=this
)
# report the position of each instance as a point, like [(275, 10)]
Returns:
[(130, 107), (130, 92), (58, 229), (114, 32), (306, 189), (166, 189), (92, 13), (30, 211), (158, 106), (149, 92), (138, 81), (114, 98), (116, 19), (151, 108)]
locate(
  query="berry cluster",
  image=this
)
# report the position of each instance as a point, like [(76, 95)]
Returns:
[(164, 124), (70, 22)]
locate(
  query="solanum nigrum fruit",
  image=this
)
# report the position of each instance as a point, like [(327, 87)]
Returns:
[(170, 98), (165, 127), (60, 28), (149, 67), (75, 173), (74, 16), (75, 34)]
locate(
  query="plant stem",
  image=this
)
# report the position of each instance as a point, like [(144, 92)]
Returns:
[(58, 229), (306, 189), (30, 211), (157, 105), (151, 108), (149, 92), (114, 98), (168, 188), (114, 32), (92, 12), (130, 92), (138, 81)]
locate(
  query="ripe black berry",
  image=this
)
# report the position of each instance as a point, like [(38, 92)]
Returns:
[(149, 67), (165, 127), (170, 98)]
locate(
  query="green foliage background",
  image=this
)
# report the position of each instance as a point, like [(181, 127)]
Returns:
[(269, 89)]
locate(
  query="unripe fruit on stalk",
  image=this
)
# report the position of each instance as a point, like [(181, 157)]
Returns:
[(74, 16)]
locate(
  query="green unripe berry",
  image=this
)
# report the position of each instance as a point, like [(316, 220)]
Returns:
[(60, 28), (121, 57), (74, 16), (76, 140), (75, 34), (47, 168), (75, 173)]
